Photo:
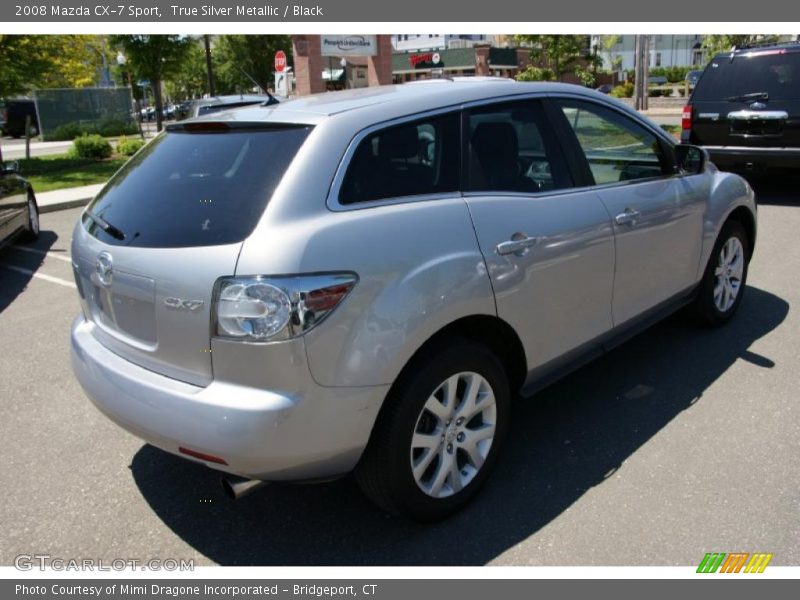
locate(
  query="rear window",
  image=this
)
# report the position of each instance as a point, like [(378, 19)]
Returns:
[(196, 189), (774, 72)]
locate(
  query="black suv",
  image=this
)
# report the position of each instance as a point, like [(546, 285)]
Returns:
[(745, 109), (15, 112)]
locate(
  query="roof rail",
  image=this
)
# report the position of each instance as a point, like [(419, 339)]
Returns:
[(765, 45)]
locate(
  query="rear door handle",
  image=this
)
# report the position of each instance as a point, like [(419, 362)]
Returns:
[(518, 245), (628, 217)]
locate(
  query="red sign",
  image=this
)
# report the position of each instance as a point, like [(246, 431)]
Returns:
[(280, 61), (415, 59)]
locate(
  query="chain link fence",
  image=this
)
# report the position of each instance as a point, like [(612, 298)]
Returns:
[(67, 113)]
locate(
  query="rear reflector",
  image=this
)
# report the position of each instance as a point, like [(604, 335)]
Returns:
[(206, 457), (686, 117)]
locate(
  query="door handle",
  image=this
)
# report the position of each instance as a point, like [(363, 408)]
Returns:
[(518, 245), (628, 217)]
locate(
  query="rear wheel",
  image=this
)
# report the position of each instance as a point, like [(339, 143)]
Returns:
[(438, 436), (724, 280), (32, 232)]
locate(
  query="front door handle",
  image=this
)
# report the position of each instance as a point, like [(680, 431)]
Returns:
[(518, 245), (628, 217)]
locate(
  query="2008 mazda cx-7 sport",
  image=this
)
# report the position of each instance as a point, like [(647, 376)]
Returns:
[(362, 280)]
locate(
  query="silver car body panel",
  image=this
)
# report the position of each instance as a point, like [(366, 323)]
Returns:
[(303, 408)]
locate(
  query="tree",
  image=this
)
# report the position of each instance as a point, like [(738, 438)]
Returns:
[(155, 58), (28, 62), (715, 44), (190, 80), (556, 52), (606, 46), (247, 61)]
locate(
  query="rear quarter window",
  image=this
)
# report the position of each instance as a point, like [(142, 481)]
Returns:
[(196, 189), (411, 159)]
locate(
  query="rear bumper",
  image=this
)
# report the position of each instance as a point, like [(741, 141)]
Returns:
[(314, 433), (747, 157)]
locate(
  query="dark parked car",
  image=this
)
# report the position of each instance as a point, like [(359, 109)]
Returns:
[(745, 109), (19, 214), (605, 88), (14, 116), (205, 106)]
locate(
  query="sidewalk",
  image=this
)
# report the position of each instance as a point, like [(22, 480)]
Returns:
[(67, 197)]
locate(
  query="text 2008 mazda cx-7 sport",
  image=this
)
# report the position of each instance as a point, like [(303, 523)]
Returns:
[(363, 280)]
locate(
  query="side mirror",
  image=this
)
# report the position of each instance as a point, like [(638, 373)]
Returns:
[(690, 160), (11, 167)]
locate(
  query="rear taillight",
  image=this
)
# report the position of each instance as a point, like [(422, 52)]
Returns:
[(269, 308), (686, 117)]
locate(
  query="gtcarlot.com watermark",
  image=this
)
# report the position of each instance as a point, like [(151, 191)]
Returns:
[(30, 562)]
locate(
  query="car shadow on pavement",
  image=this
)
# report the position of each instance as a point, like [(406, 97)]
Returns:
[(14, 282), (775, 188), (568, 439)]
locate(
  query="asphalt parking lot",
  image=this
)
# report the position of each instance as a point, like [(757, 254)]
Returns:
[(680, 442)]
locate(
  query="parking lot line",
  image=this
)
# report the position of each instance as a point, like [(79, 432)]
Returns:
[(44, 253), (49, 278)]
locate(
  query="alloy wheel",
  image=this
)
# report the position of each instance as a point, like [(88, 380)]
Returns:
[(729, 272), (453, 434)]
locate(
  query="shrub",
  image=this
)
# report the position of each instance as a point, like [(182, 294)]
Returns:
[(624, 90), (110, 127), (114, 127), (536, 74), (129, 146), (91, 146), (585, 76), (68, 131)]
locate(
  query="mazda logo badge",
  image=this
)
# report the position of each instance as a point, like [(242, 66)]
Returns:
[(104, 268)]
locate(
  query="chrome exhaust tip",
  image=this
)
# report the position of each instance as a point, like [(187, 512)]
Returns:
[(236, 489)]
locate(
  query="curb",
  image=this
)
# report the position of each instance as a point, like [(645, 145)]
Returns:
[(55, 206)]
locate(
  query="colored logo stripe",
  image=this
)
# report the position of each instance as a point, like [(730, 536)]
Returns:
[(734, 562), (758, 563)]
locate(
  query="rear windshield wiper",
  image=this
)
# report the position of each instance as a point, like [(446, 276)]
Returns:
[(105, 226), (753, 96)]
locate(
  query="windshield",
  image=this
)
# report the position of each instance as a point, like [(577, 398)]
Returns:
[(194, 189), (772, 74)]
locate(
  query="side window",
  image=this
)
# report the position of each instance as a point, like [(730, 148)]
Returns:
[(511, 148), (411, 159), (616, 148)]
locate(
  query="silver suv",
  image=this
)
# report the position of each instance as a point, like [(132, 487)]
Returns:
[(364, 280)]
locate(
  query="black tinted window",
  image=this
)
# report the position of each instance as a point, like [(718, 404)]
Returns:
[(411, 159), (616, 148), (768, 71), (196, 189), (510, 148)]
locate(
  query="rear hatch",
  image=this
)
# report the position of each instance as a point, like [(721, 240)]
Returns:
[(750, 99), (150, 247)]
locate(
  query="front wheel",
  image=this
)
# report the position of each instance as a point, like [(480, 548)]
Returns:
[(725, 277), (438, 436), (32, 232)]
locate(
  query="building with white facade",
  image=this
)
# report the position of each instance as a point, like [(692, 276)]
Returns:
[(412, 42), (665, 50)]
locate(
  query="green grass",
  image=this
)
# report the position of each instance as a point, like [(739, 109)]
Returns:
[(673, 130), (48, 173)]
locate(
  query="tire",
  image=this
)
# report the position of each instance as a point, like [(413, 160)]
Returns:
[(385, 472), (31, 234), (725, 274)]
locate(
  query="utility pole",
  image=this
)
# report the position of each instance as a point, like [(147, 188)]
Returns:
[(209, 70), (641, 58)]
